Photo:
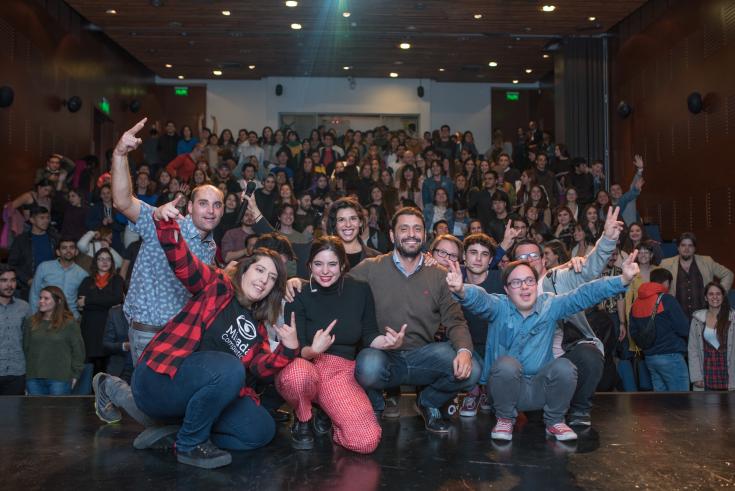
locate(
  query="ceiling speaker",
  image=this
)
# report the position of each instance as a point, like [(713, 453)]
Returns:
[(6, 96), (134, 106), (279, 89), (73, 103), (420, 91), (624, 109), (695, 103)]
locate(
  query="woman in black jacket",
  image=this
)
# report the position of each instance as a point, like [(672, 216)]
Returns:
[(98, 293)]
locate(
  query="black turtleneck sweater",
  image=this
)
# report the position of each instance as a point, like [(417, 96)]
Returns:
[(349, 301)]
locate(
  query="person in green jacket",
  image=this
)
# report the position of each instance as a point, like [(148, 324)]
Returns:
[(53, 346)]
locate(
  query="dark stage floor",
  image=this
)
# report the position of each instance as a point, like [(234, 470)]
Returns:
[(671, 442)]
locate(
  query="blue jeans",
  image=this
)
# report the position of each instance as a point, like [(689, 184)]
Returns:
[(204, 393), (669, 372), (84, 384), (429, 366), (48, 387)]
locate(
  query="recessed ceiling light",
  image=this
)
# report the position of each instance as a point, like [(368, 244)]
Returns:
[(226, 13), (292, 3), (393, 75), (345, 68), (168, 65), (405, 45), (180, 77), (346, 14), (295, 26), (477, 16), (592, 18), (111, 11), (529, 70), (515, 81), (217, 72), (546, 55), (493, 64), (441, 69), (548, 8), (252, 67)]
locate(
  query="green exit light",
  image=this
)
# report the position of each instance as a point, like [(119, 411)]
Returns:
[(105, 106), (183, 91), (512, 96)]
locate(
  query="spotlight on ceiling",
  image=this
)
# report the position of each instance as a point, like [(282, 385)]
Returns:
[(226, 13), (405, 45), (529, 70), (548, 8), (346, 14), (515, 81), (292, 3), (477, 16), (111, 11), (295, 26), (168, 65), (252, 67), (493, 64), (393, 75), (217, 72)]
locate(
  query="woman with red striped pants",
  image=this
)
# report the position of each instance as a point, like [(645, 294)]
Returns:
[(334, 315)]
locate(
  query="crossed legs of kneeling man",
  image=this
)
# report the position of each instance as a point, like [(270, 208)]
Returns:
[(430, 366)]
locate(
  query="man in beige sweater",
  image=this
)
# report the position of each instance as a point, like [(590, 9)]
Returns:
[(691, 272), (409, 292)]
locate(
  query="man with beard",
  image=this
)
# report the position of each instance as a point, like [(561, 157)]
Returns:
[(691, 272), (62, 272), (155, 294), (13, 312), (409, 292)]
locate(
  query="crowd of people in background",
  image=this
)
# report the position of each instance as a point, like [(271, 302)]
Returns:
[(420, 232)]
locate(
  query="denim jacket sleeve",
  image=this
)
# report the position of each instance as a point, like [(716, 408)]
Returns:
[(584, 296), (479, 302)]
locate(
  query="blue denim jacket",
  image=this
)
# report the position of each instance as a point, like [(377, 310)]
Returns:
[(529, 340)]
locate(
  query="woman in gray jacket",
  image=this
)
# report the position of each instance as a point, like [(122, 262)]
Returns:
[(711, 346)]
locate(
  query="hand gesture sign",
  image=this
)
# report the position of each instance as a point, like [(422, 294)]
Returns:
[(169, 211), (510, 231), (393, 339), (454, 279), (323, 338), (613, 227), (287, 334), (630, 267), (129, 141)]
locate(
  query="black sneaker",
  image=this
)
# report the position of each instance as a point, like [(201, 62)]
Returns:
[(156, 438), (205, 455), (302, 436), (579, 420), (433, 420), (392, 407), (280, 416), (320, 421)]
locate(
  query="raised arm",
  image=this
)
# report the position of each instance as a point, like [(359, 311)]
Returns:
[(193, 273), (472, 297), (122, 188)]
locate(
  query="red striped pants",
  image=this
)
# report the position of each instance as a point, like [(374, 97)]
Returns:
[(330, 382)]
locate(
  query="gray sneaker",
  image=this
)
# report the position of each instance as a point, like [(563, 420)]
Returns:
[(392, 407), (103, 407), (156, 438)]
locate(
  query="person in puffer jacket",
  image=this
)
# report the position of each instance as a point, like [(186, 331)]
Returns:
[(665, 359)]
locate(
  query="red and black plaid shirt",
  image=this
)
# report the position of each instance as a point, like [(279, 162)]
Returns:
[(211, 291)]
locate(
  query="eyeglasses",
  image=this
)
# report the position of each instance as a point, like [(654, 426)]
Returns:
[(445, 254), (531, 256), (516, 283)]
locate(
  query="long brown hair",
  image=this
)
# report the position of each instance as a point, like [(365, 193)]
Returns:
[(723, 316), (269, 308), (61, 313)]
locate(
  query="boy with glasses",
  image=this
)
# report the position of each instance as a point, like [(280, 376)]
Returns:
[(520, 370)]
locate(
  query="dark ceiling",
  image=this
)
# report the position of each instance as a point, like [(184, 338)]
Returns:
[(447, 42)]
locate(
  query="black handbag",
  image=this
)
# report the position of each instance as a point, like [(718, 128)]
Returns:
[(646, 337)]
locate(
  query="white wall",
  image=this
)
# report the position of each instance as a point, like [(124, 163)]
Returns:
[(253, 104)]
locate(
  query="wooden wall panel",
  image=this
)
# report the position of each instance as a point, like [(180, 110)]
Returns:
[(656, 62), (48, 55)]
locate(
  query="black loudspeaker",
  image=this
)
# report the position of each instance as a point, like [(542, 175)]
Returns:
[(134, 106), (624, 109), (73, 104), (695, 103), (420, 91), (279, 89), (6, 96)]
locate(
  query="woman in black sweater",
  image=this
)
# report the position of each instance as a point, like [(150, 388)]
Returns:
[(335, 315)]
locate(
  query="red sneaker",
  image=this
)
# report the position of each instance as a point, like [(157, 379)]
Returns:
[(503, 430), (561, 432)]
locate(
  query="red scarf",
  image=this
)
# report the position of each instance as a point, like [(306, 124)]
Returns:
[(102, 279)]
